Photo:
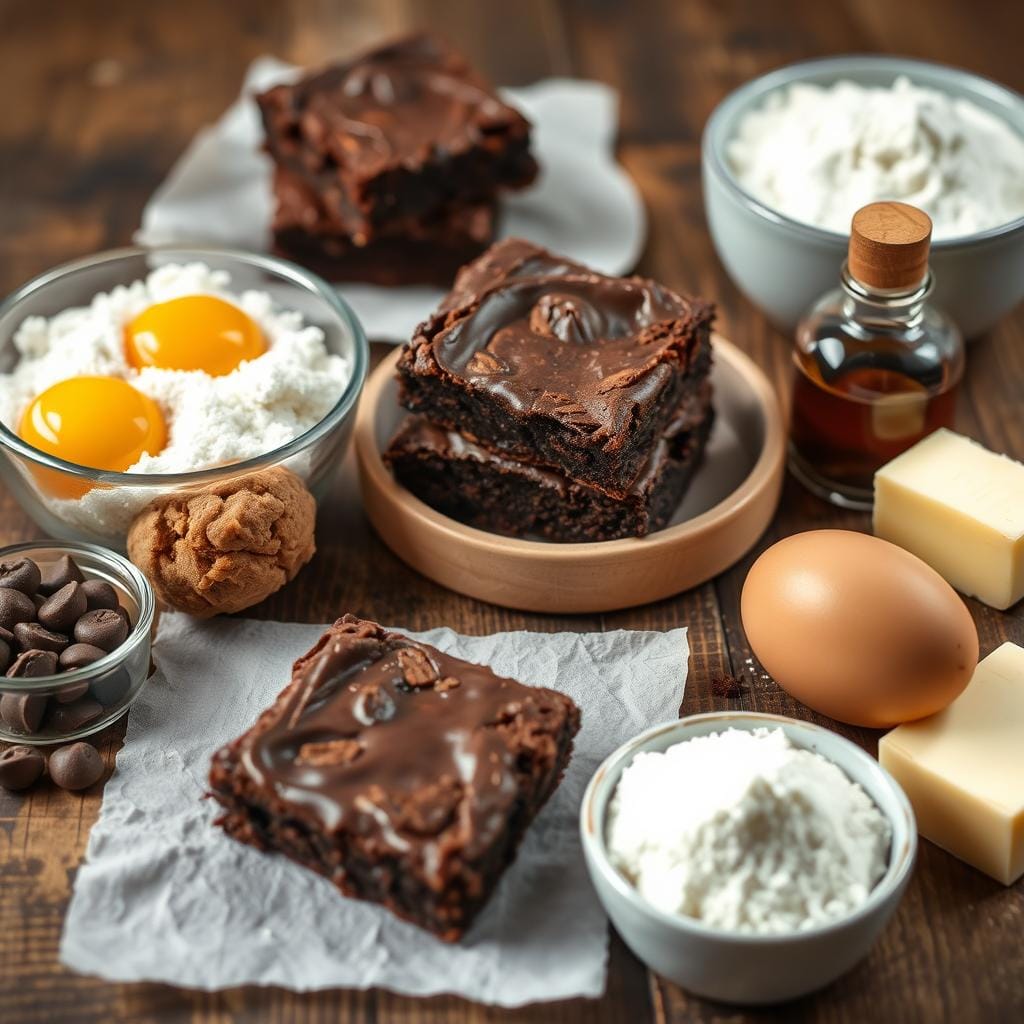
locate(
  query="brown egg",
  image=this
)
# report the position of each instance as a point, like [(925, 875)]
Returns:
[(857, 628)]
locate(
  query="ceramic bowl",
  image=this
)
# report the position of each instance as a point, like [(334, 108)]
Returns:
[(730, 502), (35, 477), (730, 966), (783, 265), (78, 703)]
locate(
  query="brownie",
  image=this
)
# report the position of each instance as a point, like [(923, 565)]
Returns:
[(396, 136), (493, 492), (405, 776), (429, 252), (537, 357)]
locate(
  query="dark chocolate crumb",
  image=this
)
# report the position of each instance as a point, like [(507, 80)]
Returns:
[(727, 686)]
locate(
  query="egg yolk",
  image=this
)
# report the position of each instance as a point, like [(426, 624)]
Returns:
[(99, 422), (193, 332)]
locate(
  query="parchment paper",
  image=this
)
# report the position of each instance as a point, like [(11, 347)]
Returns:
[(163, 895)]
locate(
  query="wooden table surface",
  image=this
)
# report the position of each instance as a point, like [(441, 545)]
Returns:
[(100, 98)]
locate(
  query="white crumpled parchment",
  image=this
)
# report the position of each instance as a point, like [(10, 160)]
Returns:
[(165, 896), (584, 205)]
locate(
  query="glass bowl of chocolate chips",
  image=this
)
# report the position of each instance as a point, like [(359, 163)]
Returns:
[(75, 632)]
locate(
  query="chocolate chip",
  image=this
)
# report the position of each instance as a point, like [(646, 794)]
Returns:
[(8, 649), (101, 628), (59, 574), (20, 766), (15, 607), (23, 712), (80, 655), (73, 692), (74, 716), (112, 688), (33, 665), (76, 766), (64, 608), (21, 575), (99, 594), (33, 637)]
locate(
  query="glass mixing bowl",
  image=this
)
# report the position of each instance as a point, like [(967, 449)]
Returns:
[(313, 455)]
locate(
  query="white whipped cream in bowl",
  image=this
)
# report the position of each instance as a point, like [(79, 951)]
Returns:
[(290, 401), (789, 157)]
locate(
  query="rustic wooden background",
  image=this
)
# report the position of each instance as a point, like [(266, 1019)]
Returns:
[(101, 97)]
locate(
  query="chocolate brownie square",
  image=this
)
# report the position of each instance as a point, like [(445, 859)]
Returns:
[(396, 136), (405, 776), (428, 252), (536, 357), (493, 492)]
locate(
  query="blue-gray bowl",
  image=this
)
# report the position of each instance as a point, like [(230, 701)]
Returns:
[(783, 265)]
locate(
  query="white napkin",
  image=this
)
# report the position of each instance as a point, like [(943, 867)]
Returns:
[(163, 895), (583, 206)]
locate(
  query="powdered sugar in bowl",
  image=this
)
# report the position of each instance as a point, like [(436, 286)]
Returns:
[(773, 888), (106, 362)]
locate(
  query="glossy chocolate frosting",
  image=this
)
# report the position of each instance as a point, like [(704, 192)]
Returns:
[(405, 99), (380, 734), (544, 335)]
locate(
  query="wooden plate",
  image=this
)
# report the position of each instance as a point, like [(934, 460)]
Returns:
[(729, 504)]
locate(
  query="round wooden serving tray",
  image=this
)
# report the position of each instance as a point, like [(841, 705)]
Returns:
[(730, 502)]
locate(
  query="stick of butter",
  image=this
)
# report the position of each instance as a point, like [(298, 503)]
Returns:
[(960, 508), (963, 768)]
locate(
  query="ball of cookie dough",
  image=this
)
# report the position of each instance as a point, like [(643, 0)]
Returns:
[(228, 546)]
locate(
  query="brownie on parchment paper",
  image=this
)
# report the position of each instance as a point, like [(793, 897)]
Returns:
[(540, 359), (428, 252), (391, 144), (405, 776)]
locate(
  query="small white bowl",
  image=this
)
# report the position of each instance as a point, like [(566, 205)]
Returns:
[(783, 265), (736, 967)]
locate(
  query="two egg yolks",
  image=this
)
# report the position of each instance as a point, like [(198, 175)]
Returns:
[(105, 423)]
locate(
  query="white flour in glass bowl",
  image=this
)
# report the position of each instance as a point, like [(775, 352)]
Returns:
[(263, 404)]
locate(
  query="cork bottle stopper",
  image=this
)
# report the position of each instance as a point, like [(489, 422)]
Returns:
[(889, 246)]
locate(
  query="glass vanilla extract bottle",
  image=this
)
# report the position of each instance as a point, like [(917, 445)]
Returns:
[(876, 367)]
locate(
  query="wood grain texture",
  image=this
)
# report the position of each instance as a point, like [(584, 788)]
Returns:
[(102, 97)]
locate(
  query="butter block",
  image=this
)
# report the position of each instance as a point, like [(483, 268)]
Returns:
[(960, 508), (963, 769)]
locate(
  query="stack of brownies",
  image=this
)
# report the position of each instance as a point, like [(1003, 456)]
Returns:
[(387, 168), (550, 400)]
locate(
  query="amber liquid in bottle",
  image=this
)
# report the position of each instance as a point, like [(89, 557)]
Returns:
[(874, 372), (850, 420)]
